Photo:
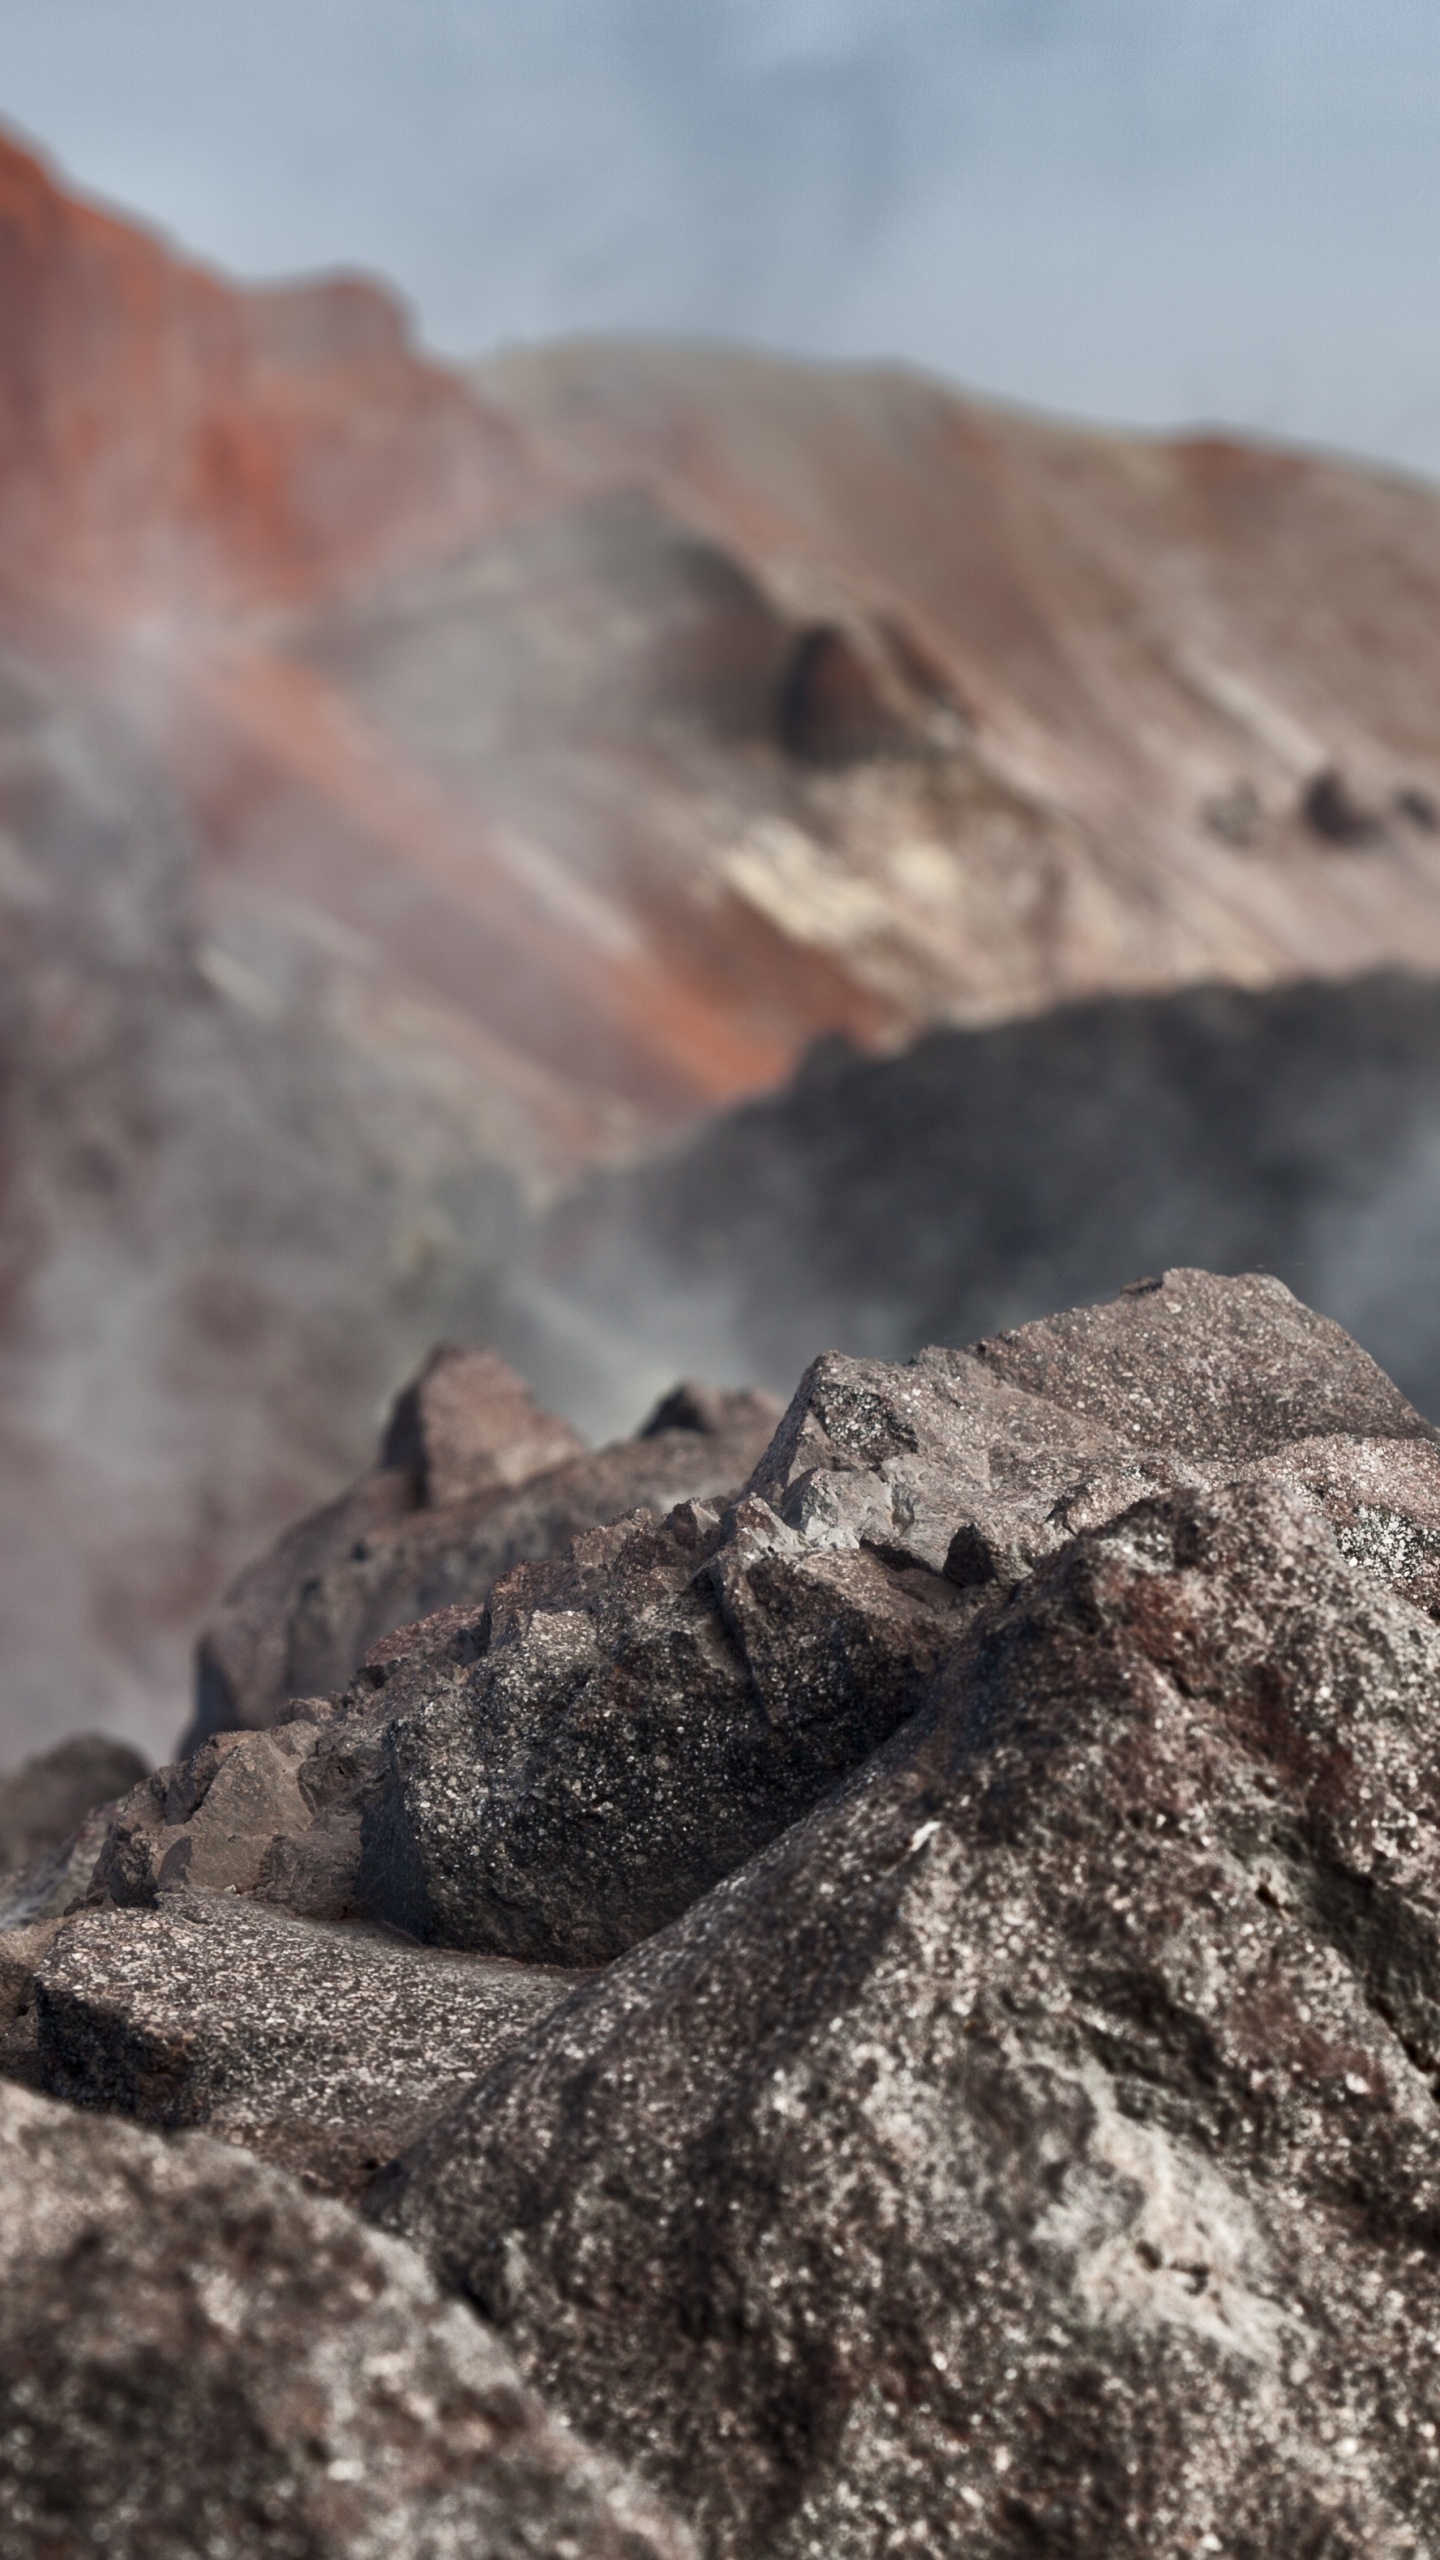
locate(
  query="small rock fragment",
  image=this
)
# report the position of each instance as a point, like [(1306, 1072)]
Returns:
[(468, 1424)]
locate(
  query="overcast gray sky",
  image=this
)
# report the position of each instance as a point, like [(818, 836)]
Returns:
[(1155, 210)]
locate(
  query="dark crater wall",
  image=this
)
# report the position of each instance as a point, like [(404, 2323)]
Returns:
[(983, 1176)]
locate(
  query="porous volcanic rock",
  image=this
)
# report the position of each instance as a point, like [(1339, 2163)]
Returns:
[(473, 1478), (558, 1769), (1036, 2148), (278, 1813), (197, 2356), (323, 2049), (650, 1708)]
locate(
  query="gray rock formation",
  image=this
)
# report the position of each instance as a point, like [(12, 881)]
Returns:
[(988, 1174), (472, 1479), (197, 2357), (651, 1708), (326, 2050), (1035, 2150), (1014, 2130)]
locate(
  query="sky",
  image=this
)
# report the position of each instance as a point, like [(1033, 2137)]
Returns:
[(1161, 212)]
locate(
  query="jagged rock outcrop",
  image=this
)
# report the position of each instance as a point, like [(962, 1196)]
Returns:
[(647, 1711), (1036, 2148), (555, 1773), (1015, 2127), (473, 1478), (196, 2356), (653, 1706)]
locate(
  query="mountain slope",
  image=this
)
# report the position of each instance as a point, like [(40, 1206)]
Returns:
[(419, 789)]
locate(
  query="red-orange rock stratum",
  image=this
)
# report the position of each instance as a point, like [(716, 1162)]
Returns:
[(168, 445), (633, 713), (419, 786)]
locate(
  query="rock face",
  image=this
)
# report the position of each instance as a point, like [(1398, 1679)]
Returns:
[(1036, 2148), (647, 1711), (1005, 2121), (196, 2356), (472, 1479), (325, 2050)]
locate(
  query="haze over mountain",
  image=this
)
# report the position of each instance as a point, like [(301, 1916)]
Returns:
[(1222, 211), (421, 787)]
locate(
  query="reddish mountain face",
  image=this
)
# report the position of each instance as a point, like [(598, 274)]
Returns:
[(171, 447), (639, 713), (417, 788)]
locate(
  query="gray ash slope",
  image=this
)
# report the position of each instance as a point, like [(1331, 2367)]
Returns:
[(985, 1175)]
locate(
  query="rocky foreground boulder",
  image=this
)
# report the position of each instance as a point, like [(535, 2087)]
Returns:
[(197, 2358), (909, 1997), (1036, 2149)]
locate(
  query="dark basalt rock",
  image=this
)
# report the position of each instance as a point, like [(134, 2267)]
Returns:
[(473, 1480), (197, 2357), (323, 2049), (1036, 2148)]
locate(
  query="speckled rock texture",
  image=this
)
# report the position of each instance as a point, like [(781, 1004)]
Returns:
[(654, 1705), (473, 1479), (324, 2049), (196, 2358), (1036, 2149), (1005, 2123)]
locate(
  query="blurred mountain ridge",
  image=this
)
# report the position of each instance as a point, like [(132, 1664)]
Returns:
[(419, 789)]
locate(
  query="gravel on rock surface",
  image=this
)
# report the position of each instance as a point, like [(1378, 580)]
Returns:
[(196, 2358)]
